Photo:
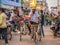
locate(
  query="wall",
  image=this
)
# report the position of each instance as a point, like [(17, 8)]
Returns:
[(51, 3), (12, 3)]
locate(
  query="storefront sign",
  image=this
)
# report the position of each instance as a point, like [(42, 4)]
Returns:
[(32, 3), (7, 7)]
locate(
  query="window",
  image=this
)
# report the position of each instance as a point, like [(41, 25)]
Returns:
[(17, 0)]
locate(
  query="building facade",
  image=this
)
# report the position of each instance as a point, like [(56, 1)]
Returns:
[(10, 4), (40, 4)]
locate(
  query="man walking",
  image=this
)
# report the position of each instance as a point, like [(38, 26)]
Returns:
[(42, 22), (3, 25)]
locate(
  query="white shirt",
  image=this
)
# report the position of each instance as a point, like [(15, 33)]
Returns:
[(12, 15), (34, 17)]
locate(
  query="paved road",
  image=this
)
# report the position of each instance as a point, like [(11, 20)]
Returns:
[(48, 40)]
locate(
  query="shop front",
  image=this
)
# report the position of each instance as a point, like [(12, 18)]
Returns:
[(7, 6)]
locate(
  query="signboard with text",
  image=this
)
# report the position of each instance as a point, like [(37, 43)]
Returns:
[(7, 7), (32, 3)]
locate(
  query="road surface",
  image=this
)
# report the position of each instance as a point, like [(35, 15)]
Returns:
[(26, 39)]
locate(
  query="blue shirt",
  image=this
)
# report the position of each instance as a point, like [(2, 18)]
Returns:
[(42, 19)]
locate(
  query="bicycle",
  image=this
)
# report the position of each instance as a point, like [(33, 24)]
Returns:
[(9, 34), (23, 30), (36, 34)]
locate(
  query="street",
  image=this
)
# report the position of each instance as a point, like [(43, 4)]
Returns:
[(26, 39), (17, 15)]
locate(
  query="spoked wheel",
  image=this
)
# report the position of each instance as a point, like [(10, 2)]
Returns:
[(20, 37), (39, 36), (21, 34), (39, 32), (36, 39), (9, 34)]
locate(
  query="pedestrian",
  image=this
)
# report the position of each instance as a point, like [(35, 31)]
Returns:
[(3, 25), (42, 22)]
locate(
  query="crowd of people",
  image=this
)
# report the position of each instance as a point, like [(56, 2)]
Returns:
[(30, 18)]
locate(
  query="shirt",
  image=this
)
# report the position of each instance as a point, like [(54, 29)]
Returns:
[(27, 18), (34, 17), (12, 15), (3, 20), (42, 19)]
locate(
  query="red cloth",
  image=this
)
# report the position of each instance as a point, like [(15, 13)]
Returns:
[(27, 17), (22, 19)]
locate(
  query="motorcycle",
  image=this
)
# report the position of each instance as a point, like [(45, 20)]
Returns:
[(56, 29)]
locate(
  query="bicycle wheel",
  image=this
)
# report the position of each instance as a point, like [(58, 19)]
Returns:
[(20, 33), (39, 36), (36, 38), (9, 34), (39, 32), (20, 36)]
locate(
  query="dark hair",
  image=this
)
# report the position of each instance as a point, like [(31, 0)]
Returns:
[(44, 12), (47, 13), (34, 9), (2, 9), (41, 11), (14, 10)]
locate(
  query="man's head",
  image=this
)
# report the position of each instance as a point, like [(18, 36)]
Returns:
[(33, 10), (41, 11), (1, 10), (14, 11)]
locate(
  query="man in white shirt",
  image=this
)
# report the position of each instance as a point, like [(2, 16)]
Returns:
[(35, 17), (34, 20), (12, 15)]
